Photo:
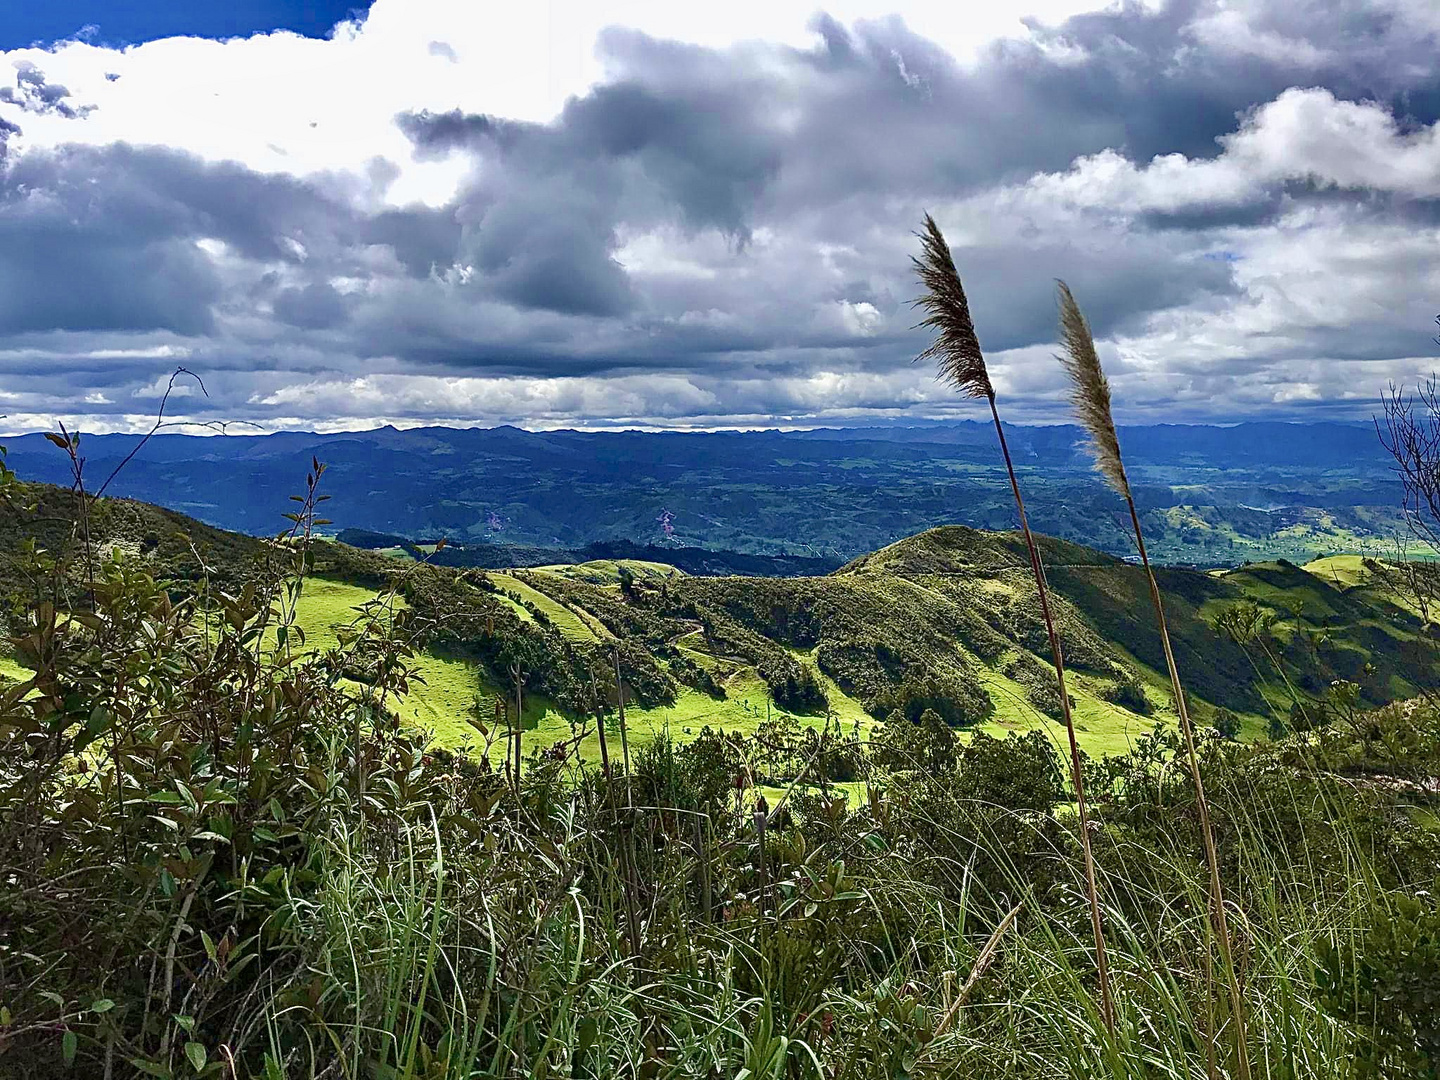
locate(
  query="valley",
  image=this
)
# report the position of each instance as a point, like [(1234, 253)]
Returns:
[(807, 500)]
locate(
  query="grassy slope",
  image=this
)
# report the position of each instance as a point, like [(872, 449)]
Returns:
[(568, 622), (607, 571), (442, 704), (451, 686), (922, 576)]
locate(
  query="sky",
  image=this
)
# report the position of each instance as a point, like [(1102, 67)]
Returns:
[(648, 214)]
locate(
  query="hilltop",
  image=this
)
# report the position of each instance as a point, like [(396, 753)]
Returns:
[(942, 620)]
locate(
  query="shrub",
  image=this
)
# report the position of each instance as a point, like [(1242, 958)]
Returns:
[(1018, 772), (1226, 723), (1042, 689), (1127, 692), (1388, 986), (926, 743)]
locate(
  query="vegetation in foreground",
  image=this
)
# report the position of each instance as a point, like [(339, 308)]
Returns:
[(226, 858)]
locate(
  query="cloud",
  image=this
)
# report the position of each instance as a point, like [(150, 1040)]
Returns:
[(1243, 196), (32, 93)]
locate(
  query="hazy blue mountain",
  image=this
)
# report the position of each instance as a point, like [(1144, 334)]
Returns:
[(1210, 494)]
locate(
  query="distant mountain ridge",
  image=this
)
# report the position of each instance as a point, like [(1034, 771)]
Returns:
[(827, 494)]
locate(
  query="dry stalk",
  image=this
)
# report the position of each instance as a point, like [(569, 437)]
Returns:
[(1091, 399), (977, 970), (959, 359)]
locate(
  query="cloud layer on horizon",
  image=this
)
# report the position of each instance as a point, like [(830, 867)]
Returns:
[(1244, 196)]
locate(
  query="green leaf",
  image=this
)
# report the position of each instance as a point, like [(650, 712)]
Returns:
[(209, 945), (196, 1053), (101, 1005), (69, 1044)]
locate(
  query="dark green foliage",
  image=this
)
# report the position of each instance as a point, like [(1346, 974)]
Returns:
[(326, 871), (715, 768), (181, 778), (792, 684), (926, 743), (1387, 984), (959, 702), (1226, 723), (1018, 772), (693, 675), (1127, 692)]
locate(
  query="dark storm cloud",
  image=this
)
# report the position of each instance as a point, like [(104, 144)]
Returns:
[(729, 231)]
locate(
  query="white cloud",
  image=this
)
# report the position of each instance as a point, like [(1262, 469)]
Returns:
[(1304, 135), (729, 243), (280, 102)]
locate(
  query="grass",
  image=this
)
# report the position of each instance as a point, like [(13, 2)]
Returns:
[(607, 571), (1341, 571), (1100, 726), (568, 622)]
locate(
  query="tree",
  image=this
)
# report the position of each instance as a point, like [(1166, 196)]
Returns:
[(1018, 772), (1226, 723), (927, 743)]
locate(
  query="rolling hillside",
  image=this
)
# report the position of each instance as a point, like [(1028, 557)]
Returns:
[(944, 620)]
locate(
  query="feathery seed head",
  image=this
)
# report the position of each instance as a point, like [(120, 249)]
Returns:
[(1090, 392), (956, 349)]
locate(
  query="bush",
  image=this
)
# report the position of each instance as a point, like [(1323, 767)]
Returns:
[(959, 703), (1018, 772), (1226, 723), (171, 790), (926, 743), (1388, 986), (1127, 692), (1042, 688)]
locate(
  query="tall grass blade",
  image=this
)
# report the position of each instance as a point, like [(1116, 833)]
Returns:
[(958, 357), (1090, 396)]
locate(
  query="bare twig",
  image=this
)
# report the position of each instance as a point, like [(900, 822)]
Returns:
[(159, 423)]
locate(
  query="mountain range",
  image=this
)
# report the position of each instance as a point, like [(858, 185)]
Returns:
[(1210, 495)]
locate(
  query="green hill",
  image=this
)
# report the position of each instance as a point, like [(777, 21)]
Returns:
[(944, 620)]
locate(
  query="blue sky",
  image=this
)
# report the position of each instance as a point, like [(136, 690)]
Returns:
[(120, 22)]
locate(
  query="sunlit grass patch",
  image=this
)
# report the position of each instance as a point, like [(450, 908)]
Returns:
[(561, 617)]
